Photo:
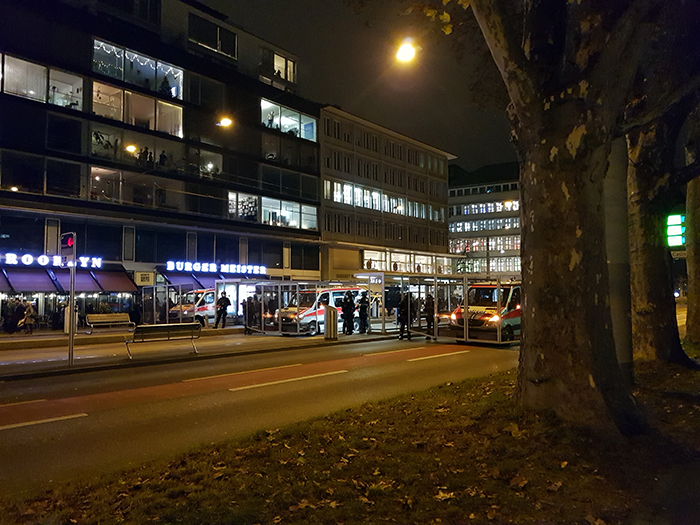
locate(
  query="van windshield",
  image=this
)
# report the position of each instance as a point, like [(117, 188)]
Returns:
[(192, 297), (487, 296), (306, 301)]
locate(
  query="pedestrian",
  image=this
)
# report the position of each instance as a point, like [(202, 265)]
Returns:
[(429, 309), (29, 317), (348, 308), (364, 313), (18, 315), (405, 315), (221, 305)]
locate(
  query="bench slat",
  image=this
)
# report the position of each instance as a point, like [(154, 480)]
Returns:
[(164, 332)]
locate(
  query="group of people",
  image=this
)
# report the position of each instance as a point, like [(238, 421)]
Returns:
[(408, 311), (348, 308), (18, 316)]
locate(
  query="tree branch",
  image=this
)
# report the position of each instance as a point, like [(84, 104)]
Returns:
[(650, 113), (622, 53), (507, 53)]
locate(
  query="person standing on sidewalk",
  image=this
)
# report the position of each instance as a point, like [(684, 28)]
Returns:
[(429, 309), (364, 313), (221, 305), (348, 308), (403, 314), (29, 315)]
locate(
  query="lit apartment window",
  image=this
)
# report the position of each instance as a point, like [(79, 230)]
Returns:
[(287, 120)]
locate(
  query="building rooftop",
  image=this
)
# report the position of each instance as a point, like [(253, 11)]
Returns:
[(493, 173)]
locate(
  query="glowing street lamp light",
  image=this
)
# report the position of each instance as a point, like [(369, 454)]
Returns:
[(225, 122), (131, 148), (406, 52)]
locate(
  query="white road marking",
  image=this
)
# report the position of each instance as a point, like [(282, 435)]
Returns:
[(396, 351), (39, 421), (238, 373), (22, 403), (439, 355), (287, 380)]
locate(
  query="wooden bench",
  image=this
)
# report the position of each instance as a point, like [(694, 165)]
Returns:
[(164, 332), (108, 321)]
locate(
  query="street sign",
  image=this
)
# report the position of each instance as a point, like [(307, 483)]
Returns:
[(679, 254), (68, 246)]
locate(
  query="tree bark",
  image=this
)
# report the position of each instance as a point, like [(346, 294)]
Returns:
[(692, 233), (651, 160)]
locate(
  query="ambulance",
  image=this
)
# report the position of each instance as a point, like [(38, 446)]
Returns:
[(196, 306), (308, 308), (489, 309)]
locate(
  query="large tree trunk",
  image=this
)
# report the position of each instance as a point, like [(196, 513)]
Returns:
[(564, 110), (692, 233), (651, 158), (568, 361), (692, 246)]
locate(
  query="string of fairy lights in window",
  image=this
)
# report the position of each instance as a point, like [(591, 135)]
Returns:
[(119, 53)]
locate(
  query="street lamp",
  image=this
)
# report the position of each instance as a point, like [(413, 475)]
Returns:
[(224, 122), (406, 51)]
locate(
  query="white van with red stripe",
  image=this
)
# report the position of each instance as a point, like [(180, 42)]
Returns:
[(197, 305), (307, 309), (484, 300)]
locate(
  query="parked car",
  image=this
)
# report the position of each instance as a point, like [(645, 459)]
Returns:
[(196, 305), (484, 315)]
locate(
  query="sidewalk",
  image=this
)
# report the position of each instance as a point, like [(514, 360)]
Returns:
[(39, 355)]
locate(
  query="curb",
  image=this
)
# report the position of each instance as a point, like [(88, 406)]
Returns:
[(176, 359), (29, 343)]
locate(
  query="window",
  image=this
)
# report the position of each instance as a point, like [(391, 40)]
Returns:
[(139, 110), (347, 194), (24, 173), (169, 119), (247, 207), (212, 36), (64, 134), (63, 178), (138, 69), (25, 79), (65, 90), (107, 101), (308, 218), (287, 120), (285, 68)]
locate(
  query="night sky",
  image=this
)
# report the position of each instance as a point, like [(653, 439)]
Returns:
[(348, 60)]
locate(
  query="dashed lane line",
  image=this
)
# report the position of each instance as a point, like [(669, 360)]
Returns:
[(239, 373), (287, 380), (22, 403), (438, 355), (40, 421)]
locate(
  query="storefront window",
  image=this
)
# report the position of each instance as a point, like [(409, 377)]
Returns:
[(107, 101), (374, 260), (65, 90)]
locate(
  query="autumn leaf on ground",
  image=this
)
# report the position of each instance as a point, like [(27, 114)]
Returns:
[(442, 496), (518, 482), (408, 502), (564, 464), (554, 487), (365, 500), (593, 521)]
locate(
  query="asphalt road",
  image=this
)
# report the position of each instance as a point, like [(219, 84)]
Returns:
[(80, 426)]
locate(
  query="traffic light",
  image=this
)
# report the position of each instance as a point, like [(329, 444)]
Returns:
[(675, 230)]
